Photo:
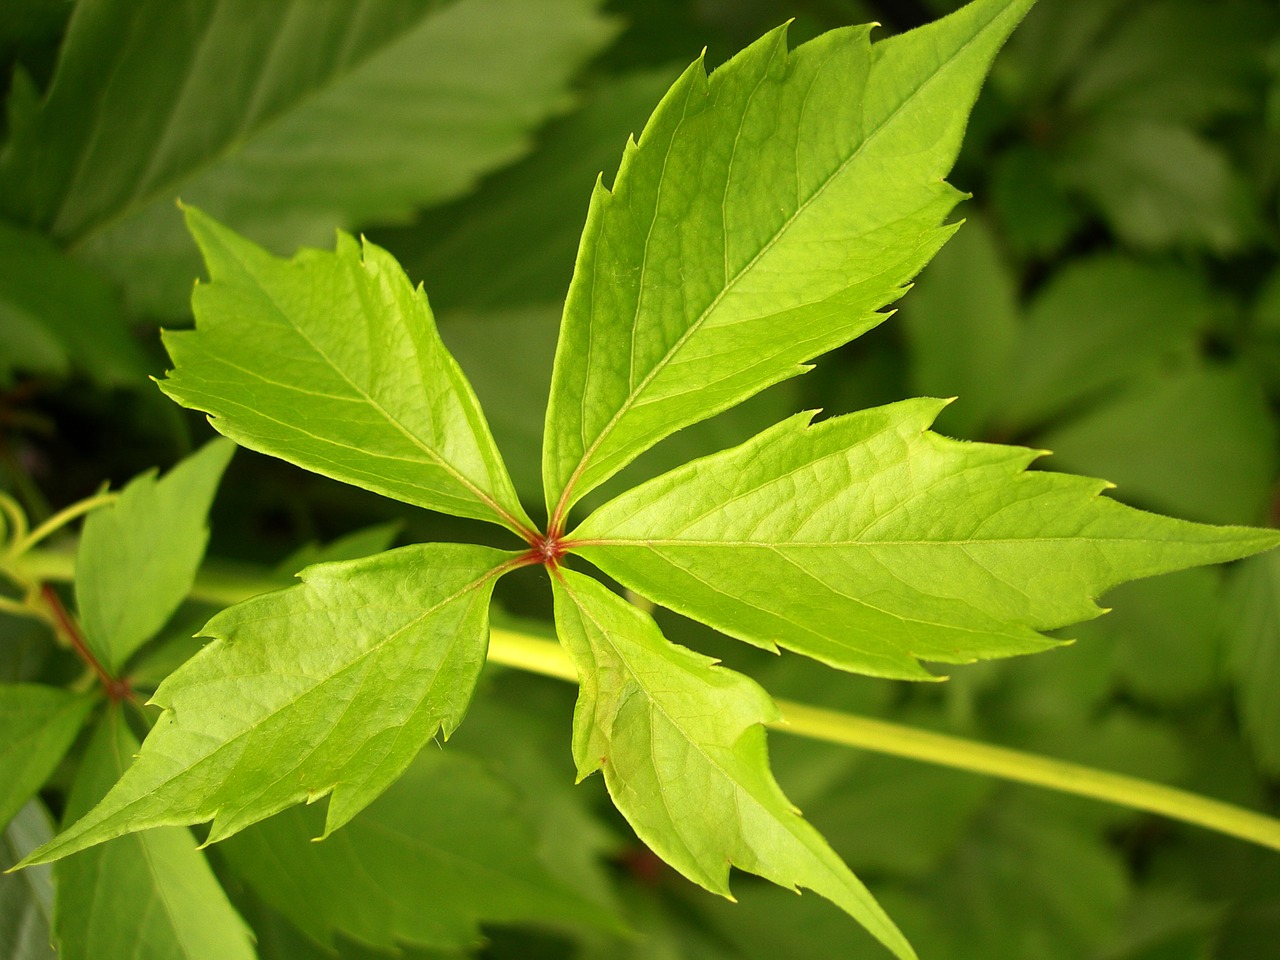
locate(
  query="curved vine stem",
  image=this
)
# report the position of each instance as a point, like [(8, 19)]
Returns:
[(526, 652), (59, 520), (15, 519)]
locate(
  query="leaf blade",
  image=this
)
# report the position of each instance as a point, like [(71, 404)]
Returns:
[(329, 687), (154, 890), (712, 257), (441, 851), (868, 542), (332, 361), (682, 747), (138, 556), (40, 724)]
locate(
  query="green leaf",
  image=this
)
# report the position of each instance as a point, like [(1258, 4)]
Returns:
[(1200, 442), (1170, 622), (895, 817), (332, 361), (765, 217), (1180, 60), (353, 546), (962, 322), (867, 542), (1162, 185), (682, 746), (138, 556), (284, 124), (26, 897), (153, 891), (1251, 620), (1099, 323), (511, 382), (441, 851), (39, 724), (54, 313), (475, 254), (1033, 207), (1027, 882), (330, 687), (516, 727)]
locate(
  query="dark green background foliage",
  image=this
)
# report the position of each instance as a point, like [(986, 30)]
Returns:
[(1113, 297)]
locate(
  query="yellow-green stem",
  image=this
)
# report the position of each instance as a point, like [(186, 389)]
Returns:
[(225, 585), (61, 519)]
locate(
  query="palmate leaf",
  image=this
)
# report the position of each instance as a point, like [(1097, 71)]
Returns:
[(867, 542), (682, 746), (330, 687), (332, 361), (152, 890), (768, 214), (765, 217)]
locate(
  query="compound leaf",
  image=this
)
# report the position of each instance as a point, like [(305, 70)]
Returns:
[(767, 214), (866, 541), (442, 850), (332, 361), (39, 724), (332, 686), (138, 556), (682, 746), (153, 890)]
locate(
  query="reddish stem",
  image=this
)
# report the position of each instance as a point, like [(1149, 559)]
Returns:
[(117, 689), (547, 550)]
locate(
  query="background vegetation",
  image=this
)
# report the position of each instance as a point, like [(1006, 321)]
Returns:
[(1114, 297)]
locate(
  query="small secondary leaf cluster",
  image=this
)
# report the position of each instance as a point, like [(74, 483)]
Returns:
[(768, 213)]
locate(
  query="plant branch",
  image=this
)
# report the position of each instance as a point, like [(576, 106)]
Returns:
[(61, 519), (525, 652), (115, 688)]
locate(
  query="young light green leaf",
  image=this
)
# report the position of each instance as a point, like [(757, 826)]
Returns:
[(39, 724), (138, 556), (765, 217), (329, 687), (867, 542), (283, 123), (332, 361), (441, 851), (682, 746), (153, 891)]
